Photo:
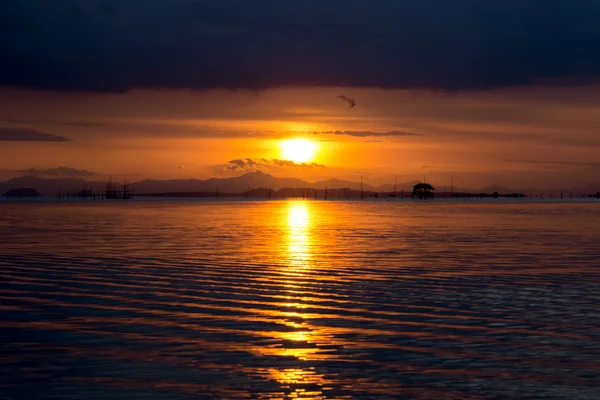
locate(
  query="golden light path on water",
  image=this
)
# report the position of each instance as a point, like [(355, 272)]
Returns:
[(298, 237), (299, 299), (298, 257)]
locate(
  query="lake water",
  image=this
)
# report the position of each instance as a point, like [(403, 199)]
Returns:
[(303, 300)]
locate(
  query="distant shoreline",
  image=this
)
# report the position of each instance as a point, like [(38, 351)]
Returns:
[(345, 194)]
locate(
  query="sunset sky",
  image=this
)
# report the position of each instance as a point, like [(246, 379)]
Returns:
[(495, 92)]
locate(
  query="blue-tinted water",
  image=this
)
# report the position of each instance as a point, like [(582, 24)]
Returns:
[(310, 300)]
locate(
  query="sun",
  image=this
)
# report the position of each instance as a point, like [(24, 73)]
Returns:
[(298, 150)]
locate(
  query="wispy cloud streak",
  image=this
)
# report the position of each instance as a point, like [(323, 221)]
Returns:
[(57, 172), (368, 133), (28, 135)]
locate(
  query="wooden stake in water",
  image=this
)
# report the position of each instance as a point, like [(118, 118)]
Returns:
[(362, 196)]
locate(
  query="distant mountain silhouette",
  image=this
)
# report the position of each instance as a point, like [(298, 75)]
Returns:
[(226, 185), (49, 186), (238, 184), (340, 183), (22, 192), (576, 191)]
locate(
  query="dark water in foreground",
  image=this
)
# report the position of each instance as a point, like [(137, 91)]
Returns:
[(307, 300)]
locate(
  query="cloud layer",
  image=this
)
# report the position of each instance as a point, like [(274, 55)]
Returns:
[(33, 122), (95, 45), (369, 133), (28, 135), (257, 164), (57, 172)]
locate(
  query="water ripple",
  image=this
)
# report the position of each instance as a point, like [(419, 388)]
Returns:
[(300, 300)]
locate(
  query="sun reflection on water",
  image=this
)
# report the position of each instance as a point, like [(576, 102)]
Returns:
[(298, 238), (293, 378), (299, 299), (299, 381)]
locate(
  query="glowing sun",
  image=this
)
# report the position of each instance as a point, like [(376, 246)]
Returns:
[(298, 150)]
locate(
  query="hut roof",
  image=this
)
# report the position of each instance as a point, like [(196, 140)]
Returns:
[(424, 186)]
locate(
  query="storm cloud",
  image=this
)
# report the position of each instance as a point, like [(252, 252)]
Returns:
[(112, 46), (28, 135)]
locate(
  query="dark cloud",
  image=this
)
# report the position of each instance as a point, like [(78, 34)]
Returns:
[(28, 135), (250, 164), (57, 172), (99, 45), (240, 164), (368, 133)]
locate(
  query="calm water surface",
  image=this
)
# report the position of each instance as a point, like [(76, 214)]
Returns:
[(303, 300)]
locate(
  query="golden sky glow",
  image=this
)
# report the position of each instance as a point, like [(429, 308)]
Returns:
[(298, 150), (539, 135)]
